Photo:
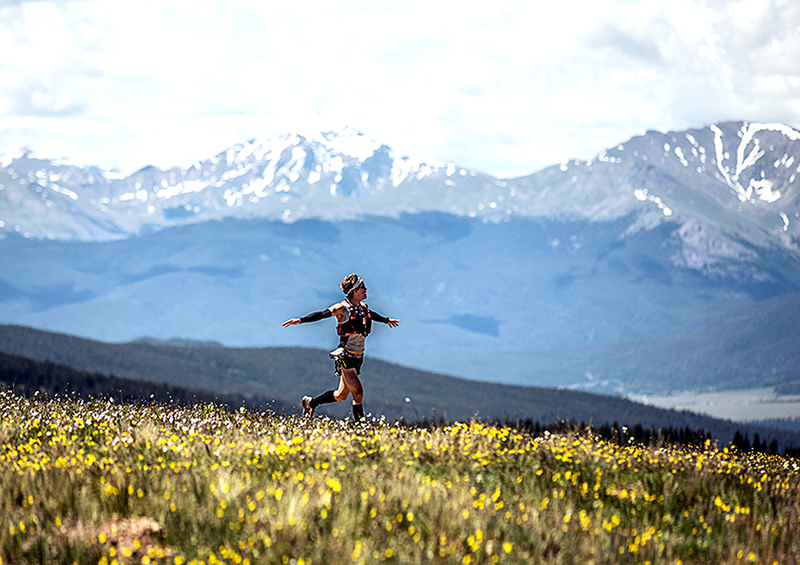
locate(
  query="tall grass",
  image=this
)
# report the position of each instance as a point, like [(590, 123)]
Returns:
[(98, 482)]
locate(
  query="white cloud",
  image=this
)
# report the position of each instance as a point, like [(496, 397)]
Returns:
[(504, 87)]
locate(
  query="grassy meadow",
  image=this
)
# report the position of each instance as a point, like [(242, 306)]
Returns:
[(109, 483)]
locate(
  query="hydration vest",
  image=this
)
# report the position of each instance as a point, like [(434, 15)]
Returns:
[(359, 322)]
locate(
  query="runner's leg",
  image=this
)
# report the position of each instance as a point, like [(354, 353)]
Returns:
[(353, 383), (342, 392), (325, 398)]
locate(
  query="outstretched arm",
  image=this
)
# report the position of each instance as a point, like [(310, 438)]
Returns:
[(313, 317), (392, 323)]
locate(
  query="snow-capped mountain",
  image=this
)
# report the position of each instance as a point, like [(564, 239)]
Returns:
[(332, 175), (729, 189)]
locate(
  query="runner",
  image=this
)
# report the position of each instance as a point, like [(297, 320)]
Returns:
[(355, 322)]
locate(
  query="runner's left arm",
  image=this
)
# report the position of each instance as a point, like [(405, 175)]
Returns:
[(383, 319)]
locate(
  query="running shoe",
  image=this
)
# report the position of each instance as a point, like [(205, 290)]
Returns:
[(308, 411)]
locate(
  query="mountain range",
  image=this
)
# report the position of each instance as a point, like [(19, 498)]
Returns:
[(727, 186), (494, 279)]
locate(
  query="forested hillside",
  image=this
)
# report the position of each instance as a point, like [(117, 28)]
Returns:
[(280, 376), (31, 378)]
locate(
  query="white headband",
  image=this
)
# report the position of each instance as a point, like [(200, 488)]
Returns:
[(354, 288)]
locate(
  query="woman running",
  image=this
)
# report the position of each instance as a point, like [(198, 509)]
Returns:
[(355, 322)]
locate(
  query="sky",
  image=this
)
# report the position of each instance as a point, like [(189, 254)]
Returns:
[(501, 87)]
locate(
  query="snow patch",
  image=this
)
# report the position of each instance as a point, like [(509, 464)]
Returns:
[(400, 170), (269, 172), (111, 174), (294, 166), (642, 195), (335, 164), (184, 187), (245, 152), (764, 188), (258, 188), (233, 174), (231, 196), (424, 171), (604, 158), (64, 191), (751, 159), (785, 161), (353, 143), (679, 153), (789, 132)]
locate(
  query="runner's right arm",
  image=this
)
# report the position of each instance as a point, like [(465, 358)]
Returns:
[(315, 316)]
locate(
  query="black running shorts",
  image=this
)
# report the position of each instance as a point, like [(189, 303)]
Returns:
[(350, 362)]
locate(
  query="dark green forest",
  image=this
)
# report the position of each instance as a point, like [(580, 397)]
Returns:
[(46, 379)]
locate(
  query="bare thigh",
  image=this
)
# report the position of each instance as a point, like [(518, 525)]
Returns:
[(349, 383)]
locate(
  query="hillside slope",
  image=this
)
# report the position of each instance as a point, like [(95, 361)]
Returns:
[(285, 374), (756, 345), (460, 286), (752, 346), (26, 377)]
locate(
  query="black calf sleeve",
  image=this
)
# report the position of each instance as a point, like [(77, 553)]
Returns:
[(324, 398), (358, 412)]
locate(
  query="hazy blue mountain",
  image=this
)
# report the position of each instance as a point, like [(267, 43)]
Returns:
[(474, 298)]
